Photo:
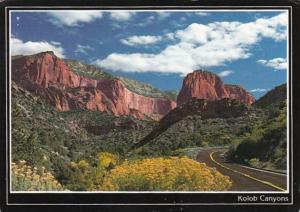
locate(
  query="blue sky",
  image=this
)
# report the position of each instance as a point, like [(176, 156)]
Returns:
[(160, 47)]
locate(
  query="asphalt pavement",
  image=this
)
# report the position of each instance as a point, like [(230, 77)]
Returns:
[(243, 178)]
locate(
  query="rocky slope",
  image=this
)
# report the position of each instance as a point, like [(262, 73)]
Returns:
[(54, 79), (237, 92), (203, 109), (206, 85), (144, 89), (274, 96)]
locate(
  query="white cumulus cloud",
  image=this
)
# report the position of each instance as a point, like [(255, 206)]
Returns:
[(225, 73), (202, 13), (201, 45), (256, 90), (19, 47), (84, 49), (121, 15), (161, 15), (141, 40), (73, 18), (55, 43), (276, 63), (156, 17)]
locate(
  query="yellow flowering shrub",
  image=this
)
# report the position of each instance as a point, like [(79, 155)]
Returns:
[(89, 177), (165, 174), (83, 165), (107, 159), (26, 178)]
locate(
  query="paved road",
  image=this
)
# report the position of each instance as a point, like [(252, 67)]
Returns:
[(243, 178)]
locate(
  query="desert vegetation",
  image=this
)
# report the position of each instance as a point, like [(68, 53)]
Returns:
[(112, 174)]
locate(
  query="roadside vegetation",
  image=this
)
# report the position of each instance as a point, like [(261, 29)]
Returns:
[(112, 174), (265, 146)]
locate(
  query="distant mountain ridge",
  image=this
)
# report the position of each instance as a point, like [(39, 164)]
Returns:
[(274, 96), (71, 85), (60, 84)]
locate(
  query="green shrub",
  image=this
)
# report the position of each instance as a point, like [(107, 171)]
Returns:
[(255, 162)]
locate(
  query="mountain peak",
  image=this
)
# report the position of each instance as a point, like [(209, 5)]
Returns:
[(48, 52), (51, 53), (203, 84), (202, 72)]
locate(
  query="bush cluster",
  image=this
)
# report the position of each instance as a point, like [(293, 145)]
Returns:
[(265, 146), (165, 174), (27, 178)]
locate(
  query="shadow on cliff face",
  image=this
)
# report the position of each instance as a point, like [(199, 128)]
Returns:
[(224, 108)]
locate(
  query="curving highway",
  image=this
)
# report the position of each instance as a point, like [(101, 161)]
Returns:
[(243, 178)]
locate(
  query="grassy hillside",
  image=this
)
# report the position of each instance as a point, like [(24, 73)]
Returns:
[(87, 70)]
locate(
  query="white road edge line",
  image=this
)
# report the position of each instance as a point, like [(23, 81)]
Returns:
[(264, 170), (260, 169)]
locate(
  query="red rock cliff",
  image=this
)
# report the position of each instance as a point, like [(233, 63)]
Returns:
[(206, 85), (51, 78), (237, 92)]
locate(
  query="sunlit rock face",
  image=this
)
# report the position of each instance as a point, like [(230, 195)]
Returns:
[(51, 78), (206, 85)]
